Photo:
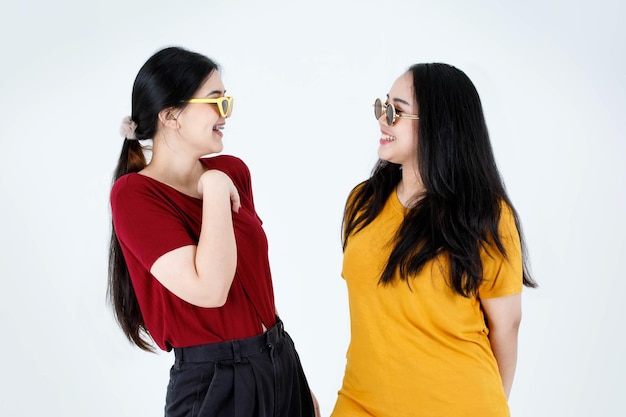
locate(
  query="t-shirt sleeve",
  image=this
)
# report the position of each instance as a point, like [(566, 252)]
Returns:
[(239, 173), (503, 275), (146, 224)]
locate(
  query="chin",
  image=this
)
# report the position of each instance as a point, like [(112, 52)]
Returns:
[(217, 148), (382, 156)]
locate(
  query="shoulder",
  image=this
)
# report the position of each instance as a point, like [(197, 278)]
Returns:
[(135, 191), (232, 166), (127, 197), (507, 226), (503, 271), (359, 187), (506, 211), (356, 191), (127, 184), (220, 162)]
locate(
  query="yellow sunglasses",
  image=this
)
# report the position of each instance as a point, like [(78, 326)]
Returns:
[(224, 104)]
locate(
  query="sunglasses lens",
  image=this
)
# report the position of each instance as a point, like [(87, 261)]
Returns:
[(390, 113), (378, 108), (227, 106)]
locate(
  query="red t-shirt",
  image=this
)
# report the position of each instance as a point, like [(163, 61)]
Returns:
[(151, 218)]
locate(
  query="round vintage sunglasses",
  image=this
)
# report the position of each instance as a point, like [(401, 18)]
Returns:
[(391, 115), (224, 104)]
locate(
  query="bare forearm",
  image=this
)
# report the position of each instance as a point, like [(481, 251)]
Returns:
[(202, 274), (216, 256), (504, 346), (504, 315)]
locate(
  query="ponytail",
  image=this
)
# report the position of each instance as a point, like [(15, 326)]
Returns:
[(120, 291), (132, 159)]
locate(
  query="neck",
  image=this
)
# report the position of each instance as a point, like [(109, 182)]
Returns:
[(410, 188), (174, 167)]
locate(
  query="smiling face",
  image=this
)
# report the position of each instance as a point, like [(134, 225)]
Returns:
[(398, 143), (200, 124)]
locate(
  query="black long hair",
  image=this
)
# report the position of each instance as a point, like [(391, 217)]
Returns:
[(459, 213), (167, 79)]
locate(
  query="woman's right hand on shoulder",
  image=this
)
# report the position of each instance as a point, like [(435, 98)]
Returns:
[(215, 180), (202, 274)]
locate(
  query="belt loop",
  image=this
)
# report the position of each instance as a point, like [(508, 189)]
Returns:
[(178, 357), (268, 339), (236, 351)]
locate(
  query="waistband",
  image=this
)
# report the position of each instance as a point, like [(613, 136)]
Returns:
[(232, 349)]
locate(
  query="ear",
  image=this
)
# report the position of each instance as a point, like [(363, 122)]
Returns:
[(168, 117)]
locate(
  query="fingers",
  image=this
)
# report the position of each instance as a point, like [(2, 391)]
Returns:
[(235, 201), (215, 179)]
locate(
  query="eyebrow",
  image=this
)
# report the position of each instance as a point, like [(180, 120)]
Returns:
[(217, 92), (399, 100)]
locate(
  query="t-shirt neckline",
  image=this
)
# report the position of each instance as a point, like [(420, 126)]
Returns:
[(165, 185)]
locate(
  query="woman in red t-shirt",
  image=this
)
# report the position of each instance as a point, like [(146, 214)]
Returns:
[(188, 263)]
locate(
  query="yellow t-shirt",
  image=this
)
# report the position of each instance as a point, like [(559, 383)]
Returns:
[(421, 351)]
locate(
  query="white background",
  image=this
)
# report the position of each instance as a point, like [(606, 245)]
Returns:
[(304, 75)]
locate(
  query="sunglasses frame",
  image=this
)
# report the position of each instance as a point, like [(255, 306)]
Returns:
[(218, 100), (395, 114)]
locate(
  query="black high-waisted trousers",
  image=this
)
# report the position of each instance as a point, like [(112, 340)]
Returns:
[(256, 377)]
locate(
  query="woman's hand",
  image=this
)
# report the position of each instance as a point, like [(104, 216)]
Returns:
[(504, 315), (316, 405), (202, 274), (214, 179)]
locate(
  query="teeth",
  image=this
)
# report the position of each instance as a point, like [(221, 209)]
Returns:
[(218, 127), (388, 138)]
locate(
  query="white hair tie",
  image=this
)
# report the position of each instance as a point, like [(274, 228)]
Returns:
[(127, 129)]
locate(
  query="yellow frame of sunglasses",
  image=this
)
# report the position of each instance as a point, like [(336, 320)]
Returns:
[(219, 101)]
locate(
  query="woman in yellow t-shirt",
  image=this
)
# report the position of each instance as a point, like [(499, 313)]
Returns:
[(434, 260)]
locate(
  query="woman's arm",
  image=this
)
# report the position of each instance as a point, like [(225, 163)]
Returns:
[(202, 274), (316, 405), (504, 315)]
